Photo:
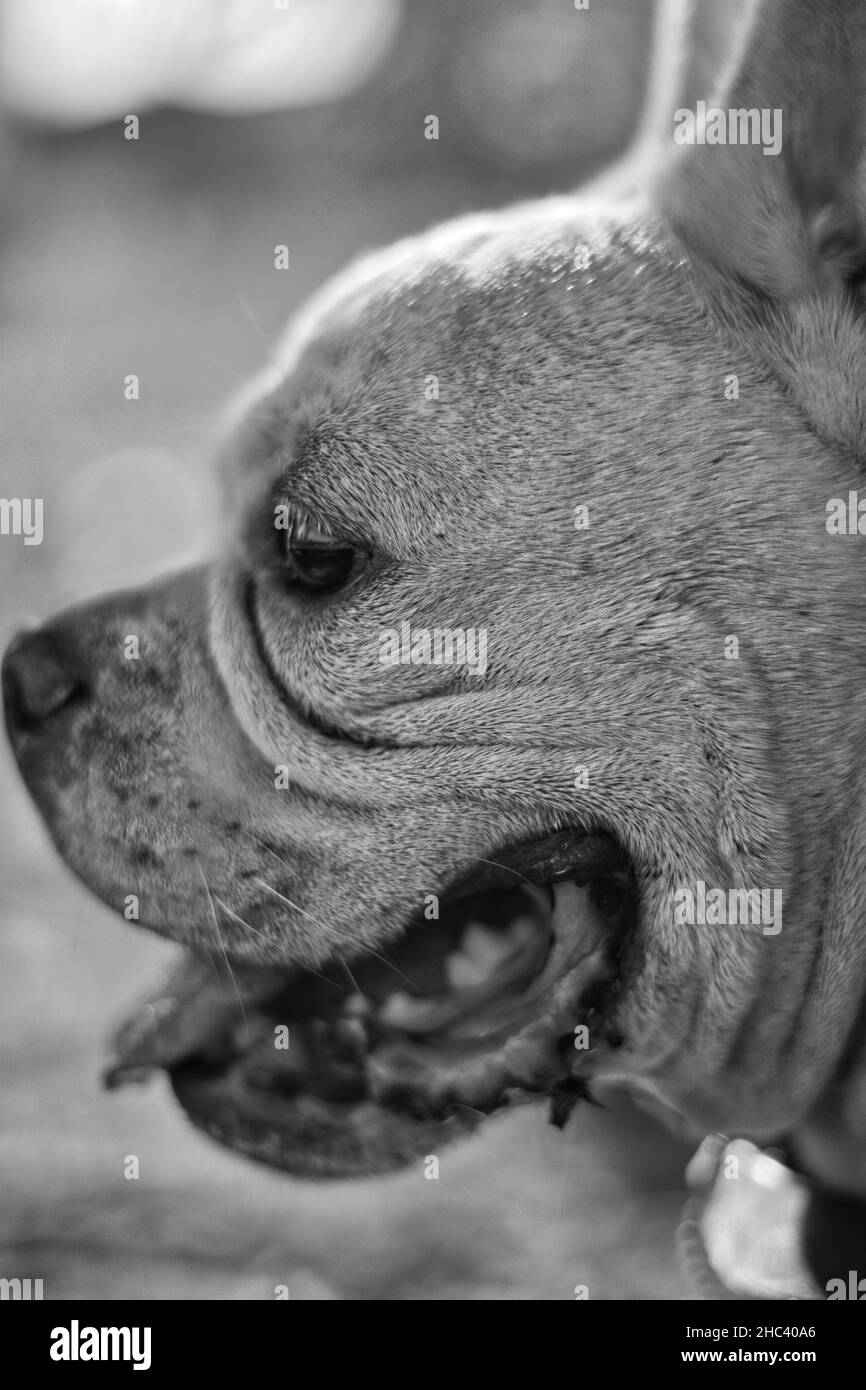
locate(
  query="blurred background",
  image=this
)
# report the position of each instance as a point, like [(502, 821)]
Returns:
[(259, 122)]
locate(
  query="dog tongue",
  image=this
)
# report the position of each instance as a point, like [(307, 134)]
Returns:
[(196, 1003)]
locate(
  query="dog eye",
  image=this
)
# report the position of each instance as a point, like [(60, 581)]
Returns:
[(317, 562), (313, 561), (319, 568)]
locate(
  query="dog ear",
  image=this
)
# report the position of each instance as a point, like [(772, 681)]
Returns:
[(774, 218), (770, 181)]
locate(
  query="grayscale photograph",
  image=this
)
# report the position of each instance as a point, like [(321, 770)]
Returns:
[(433, 854)]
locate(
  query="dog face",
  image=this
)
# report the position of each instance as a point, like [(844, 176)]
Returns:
[(453, 881)]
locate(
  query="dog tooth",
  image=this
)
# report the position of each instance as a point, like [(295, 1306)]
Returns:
[(398, 1009), (521, 930), (350, 1037), (475, 960), (463, 972), (571, 907), (482, 951), (356, 1004), (351, 1027), (484, 944)]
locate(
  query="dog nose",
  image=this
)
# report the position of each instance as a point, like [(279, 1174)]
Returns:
[(39, 679)]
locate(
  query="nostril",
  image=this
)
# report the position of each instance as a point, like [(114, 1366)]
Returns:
[(38, 679)]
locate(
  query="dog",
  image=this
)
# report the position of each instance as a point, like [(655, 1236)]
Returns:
[(615, 437)]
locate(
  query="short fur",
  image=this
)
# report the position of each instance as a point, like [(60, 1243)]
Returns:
[(558, 387)]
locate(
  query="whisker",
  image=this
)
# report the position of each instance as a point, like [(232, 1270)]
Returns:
[(303, 964), (385, 961), (352, 979), (270, 347), (267, 939), (273, 852), (250, 927), (222, 945), (508, 869), (356, 946), (225, 907), (283, 899)]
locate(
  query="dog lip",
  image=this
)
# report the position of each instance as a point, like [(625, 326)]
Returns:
[(569, 853), (344, 1100), (316, 1138), (213, 1033), (178, 1030)]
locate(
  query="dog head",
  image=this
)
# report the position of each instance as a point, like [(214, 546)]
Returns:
[(526, 642)]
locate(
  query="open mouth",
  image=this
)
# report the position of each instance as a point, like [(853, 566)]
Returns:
[(377, 1059)]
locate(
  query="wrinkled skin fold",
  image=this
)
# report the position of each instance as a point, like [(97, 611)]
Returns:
[(611, 704)]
